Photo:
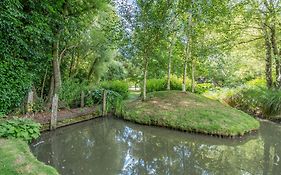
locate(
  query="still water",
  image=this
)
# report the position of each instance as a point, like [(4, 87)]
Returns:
[(108, 146)]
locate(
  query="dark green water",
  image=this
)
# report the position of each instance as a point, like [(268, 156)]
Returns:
[(110, 146)]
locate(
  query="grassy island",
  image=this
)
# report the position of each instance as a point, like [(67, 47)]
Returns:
[(17, 159), (189, 112)]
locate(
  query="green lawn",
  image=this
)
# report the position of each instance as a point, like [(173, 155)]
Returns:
[(16, 159), (189, 112)]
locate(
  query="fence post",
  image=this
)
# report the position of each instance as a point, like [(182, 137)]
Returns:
[(104, 103), (54, 115)]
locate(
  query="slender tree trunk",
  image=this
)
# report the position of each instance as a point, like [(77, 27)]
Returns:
[(184, 76), (193, 76), (51, 92), (57, 82), (170, 64), (276, 55), (187, 51), (268, 58), (144, 78), (43, 84)]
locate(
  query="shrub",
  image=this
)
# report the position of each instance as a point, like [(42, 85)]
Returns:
[(22, 128), (153, 85), (258, 100), (70, 93), (203, 87), (121, 87), (161, 84), (14, 83), (260, 82)]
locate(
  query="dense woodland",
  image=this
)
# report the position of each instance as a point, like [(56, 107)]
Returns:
[(67, 51)]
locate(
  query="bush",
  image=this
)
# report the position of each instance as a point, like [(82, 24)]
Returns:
[(121, 87), (14, 83), (260, 82), (70, 93), (258, 100), (22, 128), (203, 87), (153, 85), (113, 99), (161, 84)]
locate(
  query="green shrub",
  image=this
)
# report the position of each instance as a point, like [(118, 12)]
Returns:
[(22, 128), (153, 85), (121, 87), (14, 83), (161, 84), (203, 87), (113, 99), (258, 100), (70, 93), (260, 82)]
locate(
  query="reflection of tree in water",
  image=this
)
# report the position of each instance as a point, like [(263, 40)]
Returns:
[(117, 147), (164, 154), (272, 148)]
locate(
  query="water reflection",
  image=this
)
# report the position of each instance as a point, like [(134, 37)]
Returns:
[(110, 146)]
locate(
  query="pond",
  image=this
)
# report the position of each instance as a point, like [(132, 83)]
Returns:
[(109, 146)]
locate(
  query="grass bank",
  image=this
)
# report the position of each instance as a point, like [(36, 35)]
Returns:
[(16, 159), (189, 112)]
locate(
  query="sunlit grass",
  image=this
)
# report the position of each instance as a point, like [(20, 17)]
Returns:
[(189, 112)]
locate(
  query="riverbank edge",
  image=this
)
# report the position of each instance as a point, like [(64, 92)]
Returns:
[(18, 147), (16, 159), (125, 114)]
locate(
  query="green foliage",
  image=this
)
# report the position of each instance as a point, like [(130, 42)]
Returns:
[(71, 91), (258, 100), (153, 85), (260, 82), (15, 82), (121, 87), (203, 87), (22, 128), (113, 99)]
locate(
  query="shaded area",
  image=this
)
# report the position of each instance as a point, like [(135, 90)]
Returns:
[(108, 146)]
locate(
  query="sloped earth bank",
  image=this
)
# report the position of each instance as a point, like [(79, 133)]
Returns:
[(189, 112)]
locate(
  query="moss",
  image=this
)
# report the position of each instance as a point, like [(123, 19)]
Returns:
[(189, 112), (16, 159)]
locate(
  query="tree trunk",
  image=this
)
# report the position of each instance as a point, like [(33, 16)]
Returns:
[(54, 115), (184, 76), (268, 58), (276, 55), (43, 84), (57, 82), (51, 92), (170, 64), (193, 76), (144, 79)]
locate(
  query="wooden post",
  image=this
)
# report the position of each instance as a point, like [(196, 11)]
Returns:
[(82, 104), (104, 103), (54, 112), (29, 103)]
